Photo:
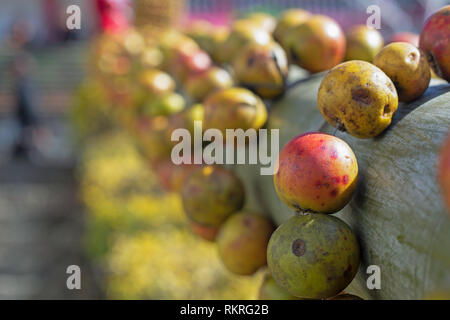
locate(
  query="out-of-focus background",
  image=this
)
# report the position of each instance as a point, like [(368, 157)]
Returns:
[(98, 206)]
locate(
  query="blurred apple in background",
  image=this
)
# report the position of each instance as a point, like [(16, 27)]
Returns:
[(288, 20), (266, 21), (318, 44), (363, 43), (200, 85), (435, 42), (190, 63), (242, 33)]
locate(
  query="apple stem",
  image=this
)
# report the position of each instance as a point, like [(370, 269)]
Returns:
[(303, 212)]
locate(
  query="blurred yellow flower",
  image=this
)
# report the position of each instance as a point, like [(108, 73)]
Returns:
[(146, 243)]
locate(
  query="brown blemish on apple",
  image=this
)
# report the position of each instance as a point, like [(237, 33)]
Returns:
[(333, 193), (298, 247), (387, 110), (361, 95), (348, 271)]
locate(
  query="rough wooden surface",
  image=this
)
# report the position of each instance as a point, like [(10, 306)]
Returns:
[(397, 210)]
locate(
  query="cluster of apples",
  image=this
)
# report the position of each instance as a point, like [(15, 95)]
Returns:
[(361, 97), (315, 255), (163, 80), (213, 198), (151, 78), (212, 195)]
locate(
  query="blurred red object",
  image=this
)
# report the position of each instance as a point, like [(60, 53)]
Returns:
[(114, 15)]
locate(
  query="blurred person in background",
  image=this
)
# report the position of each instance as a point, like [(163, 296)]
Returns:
[(24, 92)]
